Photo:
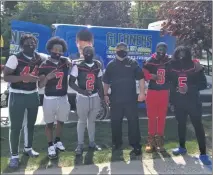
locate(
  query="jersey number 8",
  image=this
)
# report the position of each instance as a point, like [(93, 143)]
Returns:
[(161, 76)]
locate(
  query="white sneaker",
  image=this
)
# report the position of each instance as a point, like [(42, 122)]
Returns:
[(59, 146), (51, 152)]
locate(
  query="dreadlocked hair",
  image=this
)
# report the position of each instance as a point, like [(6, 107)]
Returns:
[(185, 49), (26, 37)]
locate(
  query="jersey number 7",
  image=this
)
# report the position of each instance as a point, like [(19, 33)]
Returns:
[(60, 76)]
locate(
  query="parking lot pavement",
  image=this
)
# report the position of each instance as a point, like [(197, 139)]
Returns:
[(173, 165)]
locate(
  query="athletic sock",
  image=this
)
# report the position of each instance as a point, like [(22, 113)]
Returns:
[(14, 156), (57, 139), (27, 148), (50, 144)]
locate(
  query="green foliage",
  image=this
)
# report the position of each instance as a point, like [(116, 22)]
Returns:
[(190, 22), (143, 13), (47, 12)]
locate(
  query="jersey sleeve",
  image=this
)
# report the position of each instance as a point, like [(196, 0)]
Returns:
[(107, 74), (42, 69), (12, 62), (138, 71), (74, 71), (147, 64), (100, 73)]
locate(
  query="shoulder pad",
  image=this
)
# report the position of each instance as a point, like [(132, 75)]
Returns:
[(77, 61), (196, 60), (98, 63), (63, 57), (148, 60), (17, 54), (153, 56)]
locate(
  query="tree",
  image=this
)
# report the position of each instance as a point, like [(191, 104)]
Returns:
[(144, 13), (104, 13), (190, 22)]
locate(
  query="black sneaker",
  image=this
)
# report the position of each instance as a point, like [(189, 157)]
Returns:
[(116, 147), (136, 152), (95, 147)]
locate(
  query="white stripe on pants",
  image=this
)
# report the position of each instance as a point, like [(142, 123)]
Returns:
[(87, 110)]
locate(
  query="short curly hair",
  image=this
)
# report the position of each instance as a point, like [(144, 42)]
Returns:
[(186, 49), (25, 37), (56, 40)]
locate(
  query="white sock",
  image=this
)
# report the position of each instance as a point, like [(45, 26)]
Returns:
[(27, 149), (15, 157)]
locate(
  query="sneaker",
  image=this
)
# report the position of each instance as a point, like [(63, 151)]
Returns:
[(30, 152), (116, 147), (205, 159), (52, 152), (178, 151), (150, 147), (95, 147), (136, 152), (59, 146), (79, 150), (14, 163), (159, 140)]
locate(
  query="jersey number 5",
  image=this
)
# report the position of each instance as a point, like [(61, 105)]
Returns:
[(60, 76), (90, 82), (161, 76), (26, 70), (182, 81)]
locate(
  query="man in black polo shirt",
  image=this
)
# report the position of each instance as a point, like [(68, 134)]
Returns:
[(120, 75)]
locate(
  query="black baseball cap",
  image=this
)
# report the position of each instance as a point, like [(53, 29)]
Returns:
[(122, 46)]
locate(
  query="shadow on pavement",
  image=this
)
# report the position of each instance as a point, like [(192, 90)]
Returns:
[(88, 160)]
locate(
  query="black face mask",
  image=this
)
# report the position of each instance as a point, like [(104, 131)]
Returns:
[(122, 53), (88, 53), (28, 50), (161, 52), (88, 58), (55, 56), (161, 55)]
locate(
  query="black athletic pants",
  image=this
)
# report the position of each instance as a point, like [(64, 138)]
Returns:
[(185, 107), (129, 110)]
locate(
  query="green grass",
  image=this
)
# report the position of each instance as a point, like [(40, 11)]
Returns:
[(103, 138)]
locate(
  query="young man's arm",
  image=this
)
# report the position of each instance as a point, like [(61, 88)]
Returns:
[(140, 76), (201, 81), (44, 79), (100, 85), (72, 80), (10, 67), (107, 82)]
